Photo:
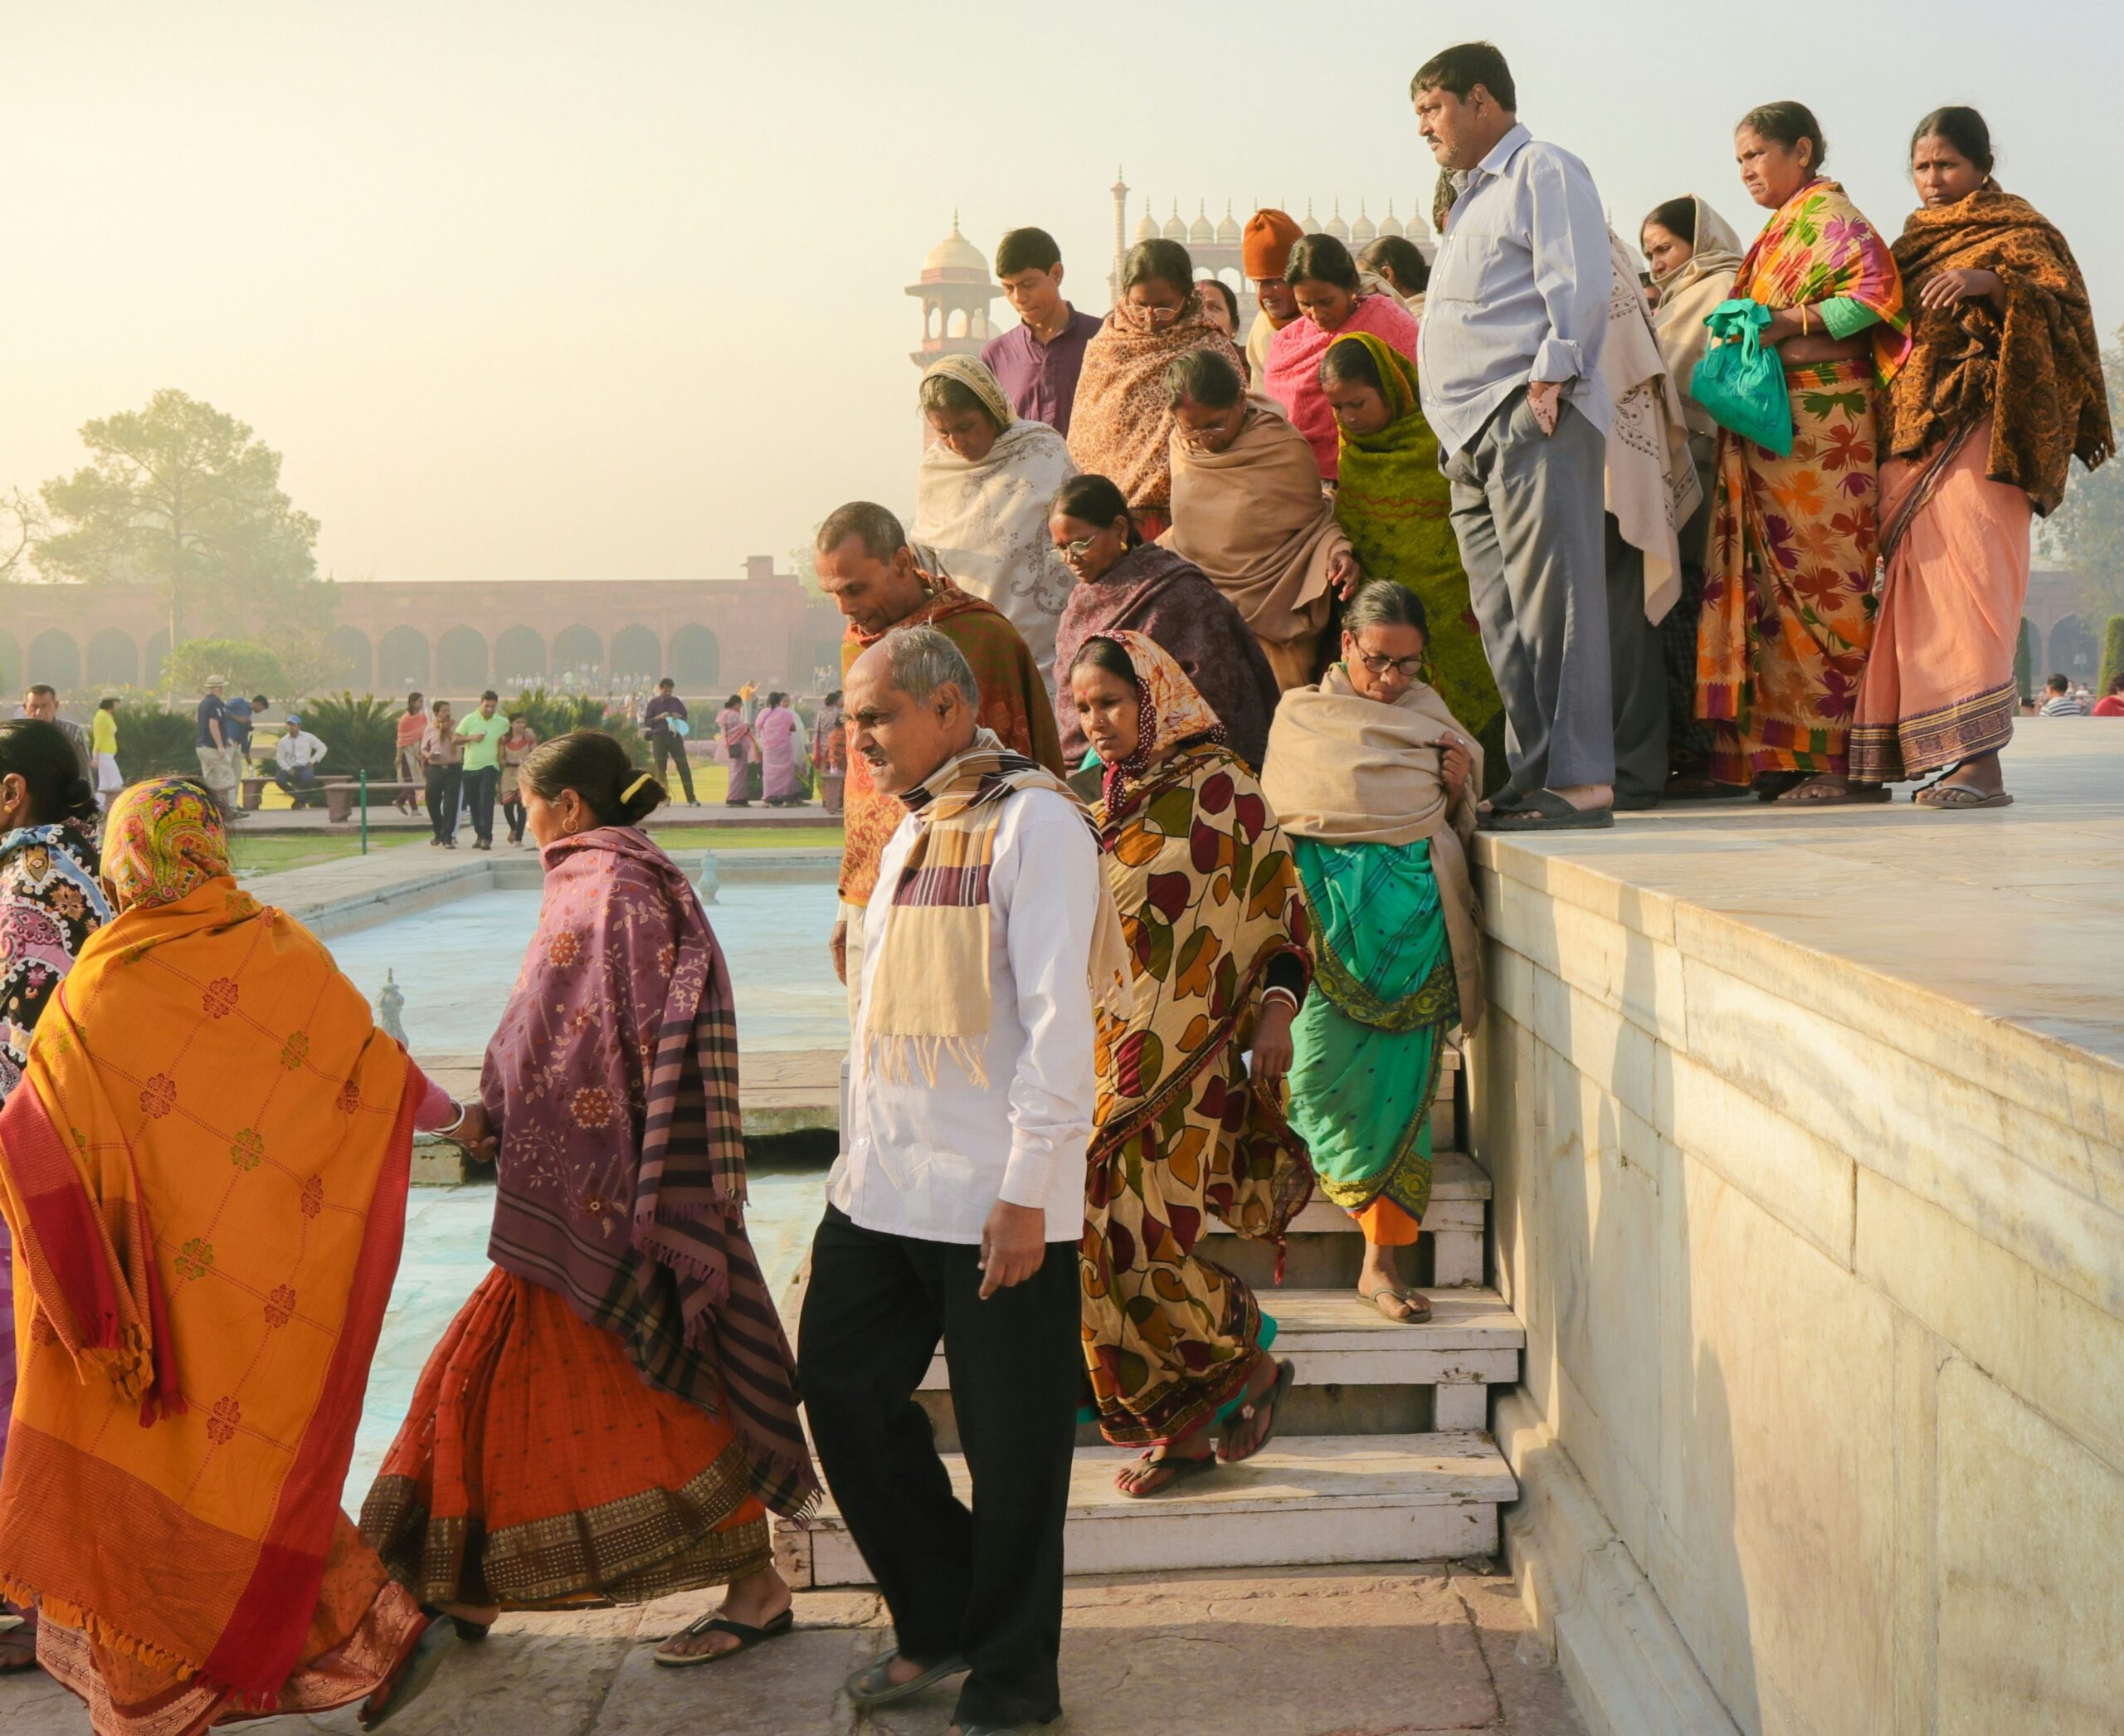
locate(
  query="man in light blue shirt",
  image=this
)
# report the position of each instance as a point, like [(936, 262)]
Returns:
[(1508, 364)]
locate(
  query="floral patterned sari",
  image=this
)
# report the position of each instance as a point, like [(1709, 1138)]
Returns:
[(1788, 602), (1209, 900)]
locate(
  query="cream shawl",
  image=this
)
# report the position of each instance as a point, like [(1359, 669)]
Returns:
[(1346, 769), (1686, 296), (986, 523), (1252, 517), (928, 993), (1652, 487)]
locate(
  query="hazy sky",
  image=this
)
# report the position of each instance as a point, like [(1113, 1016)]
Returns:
[(615, 290)]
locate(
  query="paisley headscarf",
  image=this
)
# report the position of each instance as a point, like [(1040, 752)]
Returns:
[(1169, 711), (162, 840), (975, 377)]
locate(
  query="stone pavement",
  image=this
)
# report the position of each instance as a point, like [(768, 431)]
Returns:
[(1331, 1651)]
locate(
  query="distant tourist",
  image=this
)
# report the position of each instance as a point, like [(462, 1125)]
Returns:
[(1266, 247), (2111, 703), (519, 741), (41, 701), (103, 751), (412, 725), (2062, 700), (1221, 304), (667, 745), (442, 767), (2003, 390), (242, 714), (1038, 361), (784, 752), (296, 756), (740, 748), (481, 736), (220, 760), (830, 751)]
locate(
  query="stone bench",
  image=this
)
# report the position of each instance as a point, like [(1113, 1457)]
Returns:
[(340, 793)]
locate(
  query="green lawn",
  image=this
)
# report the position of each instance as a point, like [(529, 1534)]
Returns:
[(269, 854)]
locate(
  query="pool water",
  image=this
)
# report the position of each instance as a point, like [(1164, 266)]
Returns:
[(457, 962)]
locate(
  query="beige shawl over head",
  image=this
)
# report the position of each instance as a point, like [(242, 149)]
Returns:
[(1253, 518), (1346, 769), (1686, 296), (1652, 487)]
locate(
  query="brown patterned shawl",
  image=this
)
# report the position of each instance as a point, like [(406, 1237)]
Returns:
[(620, 1186), (1121, 425), (2039, 367)]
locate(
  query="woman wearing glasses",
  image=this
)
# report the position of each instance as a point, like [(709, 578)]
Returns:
[(1126, 583), (1121, 425), (1374, 781)]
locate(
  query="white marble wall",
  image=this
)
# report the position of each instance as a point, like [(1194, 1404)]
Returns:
[(1822, 1427)]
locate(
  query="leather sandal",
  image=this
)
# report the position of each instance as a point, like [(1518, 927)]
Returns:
[(872, 1685), (746, 1637)]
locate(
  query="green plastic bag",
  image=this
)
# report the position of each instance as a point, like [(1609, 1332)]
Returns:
[(1740, 384)]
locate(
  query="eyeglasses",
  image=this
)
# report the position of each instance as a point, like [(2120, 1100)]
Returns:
[(1078, 550), (1408, 668)]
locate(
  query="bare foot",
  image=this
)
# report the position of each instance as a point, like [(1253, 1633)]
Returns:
[(1160, 1466), (752, 1601)]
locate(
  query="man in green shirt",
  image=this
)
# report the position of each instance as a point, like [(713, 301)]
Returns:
[(481, 736)]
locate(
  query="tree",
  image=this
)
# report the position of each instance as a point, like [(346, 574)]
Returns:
[(2112, 654), (308, 663), (2086, 531), (2024, 662), (181, 496), (22, 522), (247, 666)]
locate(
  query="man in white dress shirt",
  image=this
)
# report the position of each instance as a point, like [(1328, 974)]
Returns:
[(957, 1205)]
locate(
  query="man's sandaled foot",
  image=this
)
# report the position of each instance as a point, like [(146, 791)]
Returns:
[(875, 1686), (1545, 810), (1160, 1468)]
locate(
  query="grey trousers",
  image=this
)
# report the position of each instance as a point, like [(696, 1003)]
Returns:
[(1637, 669), (1527, 511)]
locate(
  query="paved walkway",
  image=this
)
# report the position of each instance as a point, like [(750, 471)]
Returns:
[(1340, 1651)]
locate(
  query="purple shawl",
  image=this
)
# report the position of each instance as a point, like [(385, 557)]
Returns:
[(621, 1184), (1152, 591)]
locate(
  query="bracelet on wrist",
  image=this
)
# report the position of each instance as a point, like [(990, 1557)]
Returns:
[(444, 1133)]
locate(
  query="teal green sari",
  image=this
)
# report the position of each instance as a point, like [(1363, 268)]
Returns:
[(1370, 1039)]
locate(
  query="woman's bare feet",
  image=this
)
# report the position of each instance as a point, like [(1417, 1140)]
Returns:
[(752, 1601)]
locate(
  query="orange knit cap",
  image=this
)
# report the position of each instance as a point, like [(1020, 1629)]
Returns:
[(1266, 242)]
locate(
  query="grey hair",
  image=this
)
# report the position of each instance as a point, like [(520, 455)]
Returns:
[(1382, 602), (921, 660)]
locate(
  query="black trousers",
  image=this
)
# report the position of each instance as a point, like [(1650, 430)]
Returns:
[(443, 783), (986, 1584), (664, 746), (480, 784)]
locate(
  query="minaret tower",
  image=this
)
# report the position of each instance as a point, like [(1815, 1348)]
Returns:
[(1120, 191)]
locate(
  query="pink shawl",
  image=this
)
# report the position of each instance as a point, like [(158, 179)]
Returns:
[(1293, 375)]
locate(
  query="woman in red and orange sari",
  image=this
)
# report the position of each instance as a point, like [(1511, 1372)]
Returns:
[(205, 1169), (1788, 601), (2003, 389), (613, 1412)]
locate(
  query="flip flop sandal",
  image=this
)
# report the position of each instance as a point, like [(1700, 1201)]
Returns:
[(871, 1686), (1960, 798), (747, 1638), (1414, 1299), (1286, 1376), (1545, 810), (411, 1678), (1182, 1466), (1771, 785)]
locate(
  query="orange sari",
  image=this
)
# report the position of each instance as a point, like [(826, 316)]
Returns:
[(205, 1169)]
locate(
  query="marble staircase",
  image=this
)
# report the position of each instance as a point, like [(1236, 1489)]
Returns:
[(1381, 1452)]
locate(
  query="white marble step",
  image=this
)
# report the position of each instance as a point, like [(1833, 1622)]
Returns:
[(1331, 1339), (1456, 1221), (1302, 1501)]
